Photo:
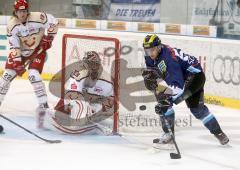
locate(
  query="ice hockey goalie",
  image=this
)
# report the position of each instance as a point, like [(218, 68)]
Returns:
[(88, 99)]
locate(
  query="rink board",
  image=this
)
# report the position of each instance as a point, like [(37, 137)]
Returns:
[(220, 60)]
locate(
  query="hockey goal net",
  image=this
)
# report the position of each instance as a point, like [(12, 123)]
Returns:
[(74, 48)]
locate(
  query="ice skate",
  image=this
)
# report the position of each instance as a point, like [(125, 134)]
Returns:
[(222, 137), (165, 142), (41, 112)]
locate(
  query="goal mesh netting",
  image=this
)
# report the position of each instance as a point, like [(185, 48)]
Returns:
[(75, 48)]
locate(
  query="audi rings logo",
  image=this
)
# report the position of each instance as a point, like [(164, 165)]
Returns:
[(226, 69)]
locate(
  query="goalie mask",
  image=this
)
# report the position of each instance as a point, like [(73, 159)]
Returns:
[(92, 63)]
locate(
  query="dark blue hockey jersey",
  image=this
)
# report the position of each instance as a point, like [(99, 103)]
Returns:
[(174, 65)]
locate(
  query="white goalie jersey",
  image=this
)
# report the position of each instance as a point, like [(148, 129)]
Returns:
[(79, 82)]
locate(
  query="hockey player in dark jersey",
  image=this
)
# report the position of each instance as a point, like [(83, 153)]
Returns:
[(183, 74)]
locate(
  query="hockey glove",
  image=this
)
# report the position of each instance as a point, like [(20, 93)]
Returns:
[(46, 42), (162, 107), (150, 79), (18, 67)]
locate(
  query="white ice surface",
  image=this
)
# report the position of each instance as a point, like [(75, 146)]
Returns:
[(21, 151)]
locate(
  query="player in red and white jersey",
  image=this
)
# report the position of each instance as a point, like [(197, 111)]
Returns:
[(28, 42), (89, 98)]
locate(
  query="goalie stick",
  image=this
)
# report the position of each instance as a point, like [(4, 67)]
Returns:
[(30, 132), (139, 143)]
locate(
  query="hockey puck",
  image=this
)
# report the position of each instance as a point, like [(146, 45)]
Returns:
[(1, 128), (143, 107)]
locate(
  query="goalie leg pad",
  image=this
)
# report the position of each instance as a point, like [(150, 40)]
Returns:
[(82, 117), (5, 81), (73, 112), (77, 120), (84, 113), (80, 109)]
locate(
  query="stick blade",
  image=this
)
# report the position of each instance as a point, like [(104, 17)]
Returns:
[(53, 141), (175, 156)]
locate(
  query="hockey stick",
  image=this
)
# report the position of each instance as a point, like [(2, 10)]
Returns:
[(172, 155), (30, 132), (109, 132)]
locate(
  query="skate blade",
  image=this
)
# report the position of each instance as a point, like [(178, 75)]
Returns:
[(156, 148), (168, 147), (226, 145), (153, 150)]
